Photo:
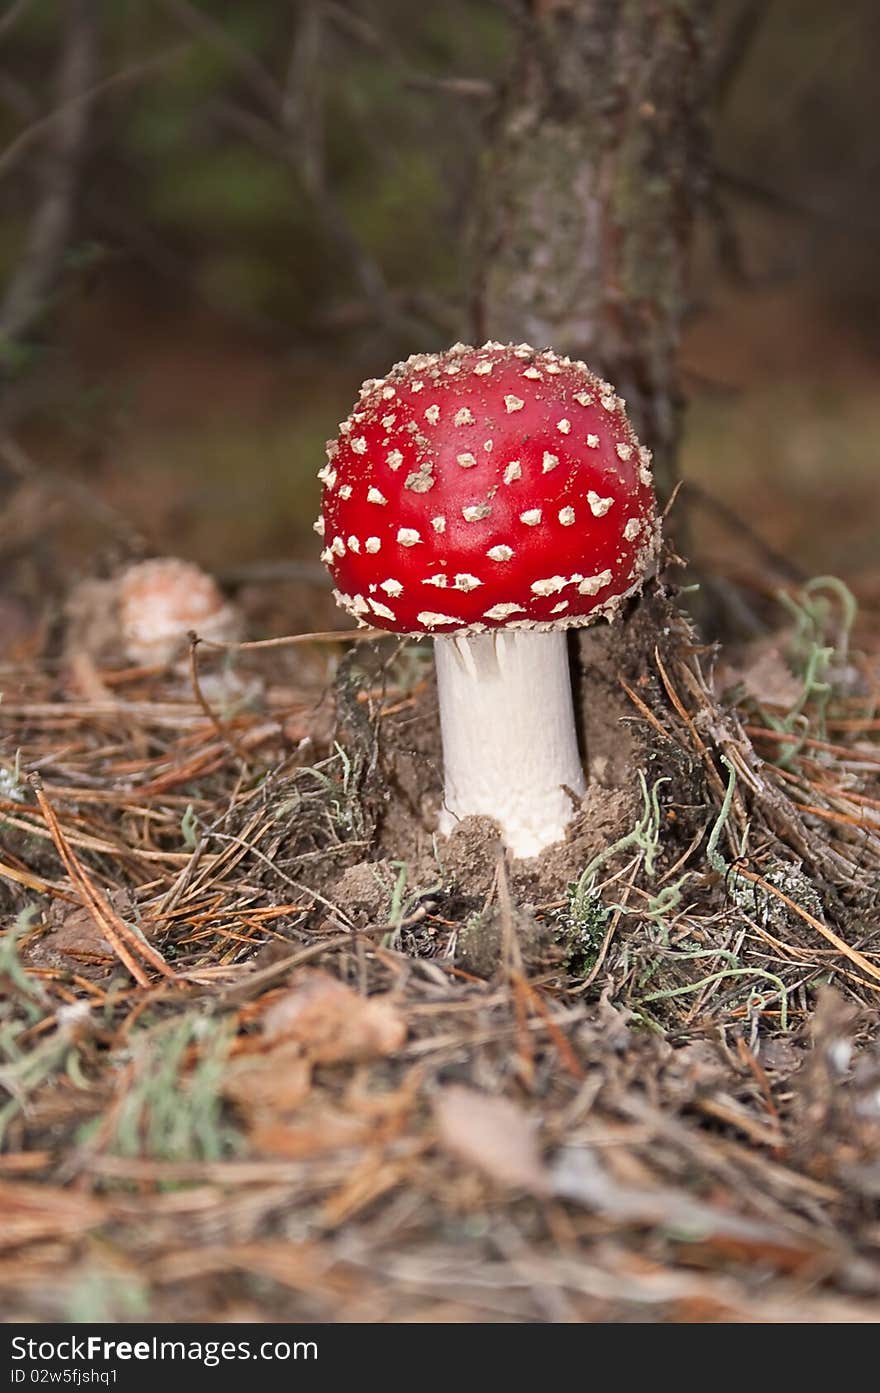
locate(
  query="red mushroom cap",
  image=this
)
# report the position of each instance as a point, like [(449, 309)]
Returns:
[(486, 488)]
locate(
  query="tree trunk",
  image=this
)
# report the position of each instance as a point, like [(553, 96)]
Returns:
[(598, 159)]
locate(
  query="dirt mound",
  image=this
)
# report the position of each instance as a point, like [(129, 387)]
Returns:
[(405, 787)]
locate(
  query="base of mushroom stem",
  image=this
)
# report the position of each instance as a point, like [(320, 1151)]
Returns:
[(509, 745)]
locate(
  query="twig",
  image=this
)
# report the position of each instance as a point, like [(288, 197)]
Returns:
[(708, 763), (26, 138), (619, 910), (79, 494), (734, 52), (259, 79), (281, 133), (471, 88), (302, 107), (740, 528), (47, 237), (117, 932), (223, 731), (330, 636), (33, 882), (840, 944), (777, 198), (12, 15), (273, 572), (254, 984), (366, 270)]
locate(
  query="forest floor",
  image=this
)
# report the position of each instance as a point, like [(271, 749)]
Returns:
[(269, 1049)]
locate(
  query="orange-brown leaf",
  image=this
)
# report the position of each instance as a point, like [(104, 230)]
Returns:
[(331, 1022), (492, 1134)]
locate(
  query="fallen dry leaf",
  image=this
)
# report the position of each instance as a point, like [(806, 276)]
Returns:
[(765, 673), (275, 1082), (375, 1176), (74, 936), (321, 1129), (331, 1022), (38, 1211), (492, 1134), (84, 677), (300, 1266), (580, 1177)]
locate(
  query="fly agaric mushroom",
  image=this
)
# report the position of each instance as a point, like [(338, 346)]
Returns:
[(161, 601), (492, 498)]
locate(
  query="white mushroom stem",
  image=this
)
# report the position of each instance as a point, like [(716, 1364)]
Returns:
[(509, 744)]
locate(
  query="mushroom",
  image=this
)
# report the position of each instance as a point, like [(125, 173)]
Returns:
[(492, 498), (161, 601)]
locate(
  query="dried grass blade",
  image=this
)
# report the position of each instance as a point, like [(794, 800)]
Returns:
[(117, 931), (840, 944)]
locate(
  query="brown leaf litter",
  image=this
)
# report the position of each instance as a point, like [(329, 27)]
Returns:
[(270, 1051)]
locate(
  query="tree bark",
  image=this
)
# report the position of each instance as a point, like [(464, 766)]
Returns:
[(598, 160)]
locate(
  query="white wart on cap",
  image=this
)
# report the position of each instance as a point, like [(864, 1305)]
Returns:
[(499, 487)]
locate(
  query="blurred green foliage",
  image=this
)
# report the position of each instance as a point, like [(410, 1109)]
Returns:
[(192, 157), (203, 164)]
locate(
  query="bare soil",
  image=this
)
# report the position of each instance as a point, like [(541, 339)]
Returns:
[(407, 786)]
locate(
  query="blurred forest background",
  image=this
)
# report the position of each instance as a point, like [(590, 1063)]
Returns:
[(264, 201)]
